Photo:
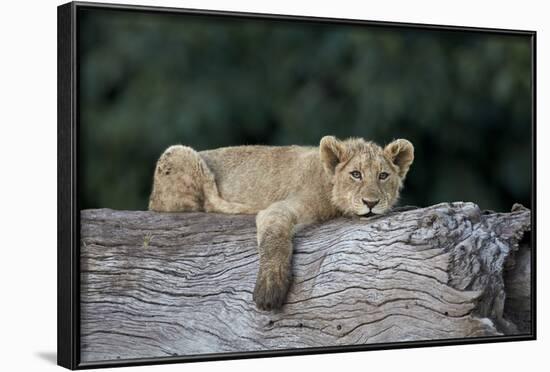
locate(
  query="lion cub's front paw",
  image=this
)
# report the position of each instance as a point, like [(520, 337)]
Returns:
[(271, 288)]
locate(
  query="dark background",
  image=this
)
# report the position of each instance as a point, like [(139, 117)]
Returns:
[(148, 81)]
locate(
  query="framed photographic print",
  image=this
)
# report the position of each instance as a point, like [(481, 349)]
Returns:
[(235, 185)]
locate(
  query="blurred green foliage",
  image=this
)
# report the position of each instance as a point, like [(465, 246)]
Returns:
[(148, 81)]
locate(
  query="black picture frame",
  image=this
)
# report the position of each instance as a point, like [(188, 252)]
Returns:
[(68, 325)]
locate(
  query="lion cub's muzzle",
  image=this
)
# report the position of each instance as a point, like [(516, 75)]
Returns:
[(368, 208)]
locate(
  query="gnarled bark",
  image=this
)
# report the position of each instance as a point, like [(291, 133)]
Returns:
[(156, 285)]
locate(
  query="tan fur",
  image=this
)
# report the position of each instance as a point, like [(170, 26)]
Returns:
[(285, 186)]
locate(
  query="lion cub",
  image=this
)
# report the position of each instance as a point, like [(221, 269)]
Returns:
[(285, 186)]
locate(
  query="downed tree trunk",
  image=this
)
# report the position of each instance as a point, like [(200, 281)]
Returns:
[(157, 285)]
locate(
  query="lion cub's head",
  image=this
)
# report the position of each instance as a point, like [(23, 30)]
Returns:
[(366, 177)]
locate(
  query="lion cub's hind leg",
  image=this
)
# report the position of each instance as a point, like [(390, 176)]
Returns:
[(183, 182), (178, 181)]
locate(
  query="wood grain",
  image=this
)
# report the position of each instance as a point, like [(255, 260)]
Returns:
[(155, 285)]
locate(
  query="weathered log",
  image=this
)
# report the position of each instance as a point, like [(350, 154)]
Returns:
[(156, 285)]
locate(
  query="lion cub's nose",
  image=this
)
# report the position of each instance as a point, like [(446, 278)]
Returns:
[(370, 203)]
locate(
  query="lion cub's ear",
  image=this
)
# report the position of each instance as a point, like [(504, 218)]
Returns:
[(401, 153), (332, 153)]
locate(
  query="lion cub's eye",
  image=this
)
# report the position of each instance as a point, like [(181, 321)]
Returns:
[(356, 175), (383, 175)]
